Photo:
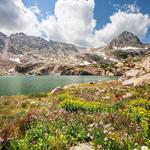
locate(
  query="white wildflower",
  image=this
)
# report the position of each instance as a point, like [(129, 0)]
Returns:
[(109, 132), (144, 148), (105, 139), (91, 125), (105, 131)]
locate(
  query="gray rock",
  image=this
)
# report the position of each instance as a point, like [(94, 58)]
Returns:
[(111, 74), (128, 82), (145, 79), (131, 73), (56, 90), (90, 82)]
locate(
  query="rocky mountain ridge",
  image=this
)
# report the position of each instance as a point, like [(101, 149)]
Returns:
[(24, 54)]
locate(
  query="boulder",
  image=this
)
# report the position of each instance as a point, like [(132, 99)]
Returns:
[(145, 63), (56, 90), (73, 85), (90, 82), (131, 73), (128, 82), (111, 74), (139, 75), (145, 79)]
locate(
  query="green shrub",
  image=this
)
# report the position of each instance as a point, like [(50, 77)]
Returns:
[(80, 105)]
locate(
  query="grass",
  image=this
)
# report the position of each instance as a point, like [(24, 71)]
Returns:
[(103, 113)]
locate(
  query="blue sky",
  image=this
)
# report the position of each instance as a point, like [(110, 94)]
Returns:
[(87, 23), (103, 9)]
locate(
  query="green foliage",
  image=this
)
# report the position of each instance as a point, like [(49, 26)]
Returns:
[(107, 66), (81, 105), (121, 54), (99, 114), (64, 96)]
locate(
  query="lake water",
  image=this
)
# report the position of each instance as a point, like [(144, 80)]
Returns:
[(17, 85)]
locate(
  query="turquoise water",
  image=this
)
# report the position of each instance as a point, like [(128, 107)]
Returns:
[(17, 85)]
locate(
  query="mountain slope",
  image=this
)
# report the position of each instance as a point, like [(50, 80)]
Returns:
[(34, 55), (123, 46)]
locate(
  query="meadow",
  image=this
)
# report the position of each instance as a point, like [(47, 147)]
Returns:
[(102, 115)]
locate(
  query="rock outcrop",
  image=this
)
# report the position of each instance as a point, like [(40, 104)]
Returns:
[(126, 39), (34, 55), (138, 75)]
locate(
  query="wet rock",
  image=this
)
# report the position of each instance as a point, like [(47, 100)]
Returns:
[(90, 82), (111, 74), (56, 90)]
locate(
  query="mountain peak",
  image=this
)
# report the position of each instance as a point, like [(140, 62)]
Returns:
[(126, 39), (2, 35), (20, 34)]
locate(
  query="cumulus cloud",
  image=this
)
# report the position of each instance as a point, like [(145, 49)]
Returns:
[(126, 18), (15, 17), (72, 22), (136, 23)]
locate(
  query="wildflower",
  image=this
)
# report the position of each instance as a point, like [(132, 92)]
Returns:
[(32, 102), (91, 125), (105, 131), (107, 125), (99, 147), (96, 125), (109, 132), (90, 129), (101, 123), (105, 139), (88, 135), (1, 140), (136, 144), (135, 149), (144, 148), (46, 135)]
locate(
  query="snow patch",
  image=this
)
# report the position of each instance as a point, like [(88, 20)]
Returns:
[(11, 70), (15, 59), (85, 63), (128, 48), (113, 59), (104, 55)]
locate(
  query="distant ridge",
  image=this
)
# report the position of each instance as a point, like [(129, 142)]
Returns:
[(35, 55)]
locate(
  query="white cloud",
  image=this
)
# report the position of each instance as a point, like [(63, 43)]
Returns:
[(73, 22), (126, 18), (136, 23), (15, 17)]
